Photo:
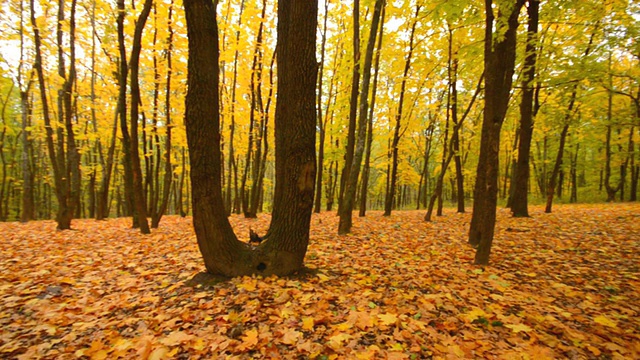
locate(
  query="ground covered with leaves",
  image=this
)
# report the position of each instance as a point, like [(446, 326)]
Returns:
[(560, 285)]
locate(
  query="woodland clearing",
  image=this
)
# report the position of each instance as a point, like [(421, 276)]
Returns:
[(560, 285)]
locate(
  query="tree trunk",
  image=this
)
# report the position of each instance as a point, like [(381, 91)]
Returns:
[(286, 241), (168, 168), (367, 157), (123, 71), (321, 123), (138, 191), (499, 62), (346, 206), (551, 186), (528, 111), (388, 203), (353, 108)]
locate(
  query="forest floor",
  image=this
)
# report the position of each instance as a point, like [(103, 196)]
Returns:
[(560, 285)]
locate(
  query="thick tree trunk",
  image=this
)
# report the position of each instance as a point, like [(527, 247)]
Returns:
[(499, 62), (286, 241)]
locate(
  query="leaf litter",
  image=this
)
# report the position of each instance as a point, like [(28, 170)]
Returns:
[(560, 285)]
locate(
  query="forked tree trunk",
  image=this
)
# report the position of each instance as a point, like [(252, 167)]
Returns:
[(345, 208), (367, 156), (286, 242)]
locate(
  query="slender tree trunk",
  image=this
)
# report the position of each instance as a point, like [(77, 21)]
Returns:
[(353, 108), (499, 62), (574, 176), (551, 186), (231, 161), (346, 207), (168, 168), (134, 62), (123, 71), (437, 193), (388, 204), (367, 157), (321, 123)]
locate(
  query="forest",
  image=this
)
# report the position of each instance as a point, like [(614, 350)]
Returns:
[(252, 132), (70, 110)]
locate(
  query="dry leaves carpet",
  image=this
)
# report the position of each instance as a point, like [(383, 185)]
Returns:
[(561, 285)]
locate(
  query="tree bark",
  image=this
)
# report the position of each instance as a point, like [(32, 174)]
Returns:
[(138, 191), (286, 242), (528, 111), (499, 62), (367, 157), (353, 108), (348, 202)]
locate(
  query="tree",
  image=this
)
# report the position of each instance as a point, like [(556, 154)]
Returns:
[(499, 63), (348, 203), (528, 110), (286, 242)]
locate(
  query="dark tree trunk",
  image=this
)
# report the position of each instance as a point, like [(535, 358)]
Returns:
[(455, 140), (499, 62), (286, 241), (321, 121), (519, 197), (348, 202), (551, 186), (437, 193), (353, 109), (138, 191), (574, 176), (28, 202), (168, 168), (123, 71), (367, 157)]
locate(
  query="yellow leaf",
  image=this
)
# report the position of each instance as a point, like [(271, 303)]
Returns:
[(323, 277), (158, 353), (594, 350), (603, 320), (176, 338), (291, 337), (336, 342), (248, 284), (122, 344), (307, 323), (249, 339), (474, 314), (388, 319), (518, 327)]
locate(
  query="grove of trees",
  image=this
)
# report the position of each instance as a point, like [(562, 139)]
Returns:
[(416, 104)]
